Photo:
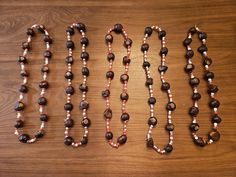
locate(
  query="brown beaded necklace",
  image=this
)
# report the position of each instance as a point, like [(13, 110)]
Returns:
[(43, 85), (118, 28), (214, 135)]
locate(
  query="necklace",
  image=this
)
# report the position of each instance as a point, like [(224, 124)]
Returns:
[(84, 105), (214, 135), (118, 29), (43, 85), (170, 107)]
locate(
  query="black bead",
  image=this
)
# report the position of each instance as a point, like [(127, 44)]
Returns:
[(193, 111), (168, 148), (216, 119), (202, 35), (189, 54), (208, 75), (44, 84), (212, 88), (144, 47), (85, 71), (86, 122), (19, 124), (170, 106), (122, 139), (81, 26), (194, 127), (109, 38), (83, 88), (146, 64), (30, 32), (70, 30), (24, 74), (42, 101), (110, 74), (192, 30), (47, 54), (202, 49), (148, 31), (25, 45), (152, 121), (189, 68), (108, 113), (128, 42), (170, 127), (69, 60), (84, 140), (68, 140), (69, 75), (151, 100), (165, 86), (162, 34), (124, 117), (118, 28), (162, 68), (124, 96), (194, 82), (207, 61), (22, 59), (109, 135), (84, 105), (41, 29), (126, 60), (70, 90), (196, 96), (163, 51), (39, 134), (24, 138), (70, 45), (149, 81), (124, 78), (23, 89), (110, 56), (187, 42), (214, 103), (47, 38), (84, 55), (84, 41), (43, 117), (69, 123), (19, 106), (150, 143), (105, 93), (45, 69), (68, 106)]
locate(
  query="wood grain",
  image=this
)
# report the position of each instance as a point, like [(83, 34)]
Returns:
[(49, 157)]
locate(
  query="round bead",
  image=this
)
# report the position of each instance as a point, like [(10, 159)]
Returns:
[(208, 75), (161, 34), (202, 35), (124, 78), (214, 103), (70, 30), (128, 42), (70, 45), (85, 71), (165, 86), (151, 100), (86, 122), (84, 41), (144, 47), (105, 93), (47, 54), (146, 64), (124, 96), (30, 32), (110, 74), (69, 75), (189, 68), (122, 139), (110, 56), (69, 60), (196, 96), (162, 68), (44, 84), (84, 105), (108, 113), (189, 54), (149, 81), (81, 27), (25, 45), (187, 42), (124, 117), (83, 88), (193, 111), (163, 51), (168, 148), (69, 90), (192, 30), (19, 106), (39, 134), (19, 124), (68, 106), (68, 141), (194, 82), (23, 89), (42, 101), (43, 117), (45, 69), (148, 31), (126, 60), (207, 61), (202, 49), (170, 106), (212, 88), (69, 123), (194, 127), (22, 59), (47, 38), (118, 28), (152, 121), (170, 127), (84, 140), (109, 135), (150, 143), (200, 141), (41, 29), (214, 135), (216, 119), (109, 38), (24, 138), (84, 55)]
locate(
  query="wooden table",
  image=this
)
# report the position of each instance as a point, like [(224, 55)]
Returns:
[(49, 157)]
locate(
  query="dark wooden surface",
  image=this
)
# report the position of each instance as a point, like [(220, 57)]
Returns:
[(49, 157)]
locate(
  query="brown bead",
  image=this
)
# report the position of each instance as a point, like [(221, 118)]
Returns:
[(200, 141), (44, 84), (128, 42), (105, 93), (124, 78), (84, 105), (19, 106), (124, 96), (108, 113), (25, 45), (45, 69), (214, 135), (109, 38), (150, 143)]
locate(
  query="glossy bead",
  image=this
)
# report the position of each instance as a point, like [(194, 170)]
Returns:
[(86, 122), (124, 96), (109, 135), (194, 127), (124, 117), (194, 82), (165, 86), (214, 135), (202, 35), (47, 38), (171, 106), (47, 54), (109, 38), (196, 96), (202, 49), (39, 134), (69, 75), (22, 59), (84, 105), (187, 42), (19, 124), (150, 143), (108, 113), (105, 93), (23, 89), (110, 74), (122, 139), (70, 90), (68, 141), (68, 106), (81, 27), (43, 117), (144, 47), (214, 103), (193, 111), (162, 68), (42, 101), (192, 30), (212, 88), (83, 88), (146, 64), (189, 54), (149, 81), (151, 100), (163, 51), (70, 45), (69, 123), (170, 127), (84, 55), (189, 68), (209, 75), (161, 34), (85, 71), (126, 60), (168, 148), (19, 106), (23, 138), (44, 84), (128, 42), (25, 45), (118, 28), (207, 61), (84, 41), (216, 119), (152, 121), (200, 141), (70, 30), (124, 78), (45, 69), (84, 140), (30, 32), (69, 60), (148, 31)]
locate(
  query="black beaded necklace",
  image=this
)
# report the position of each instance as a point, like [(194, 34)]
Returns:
[(118, 28), (214, 135), (84, 105), (170, 107), (43, 85)]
